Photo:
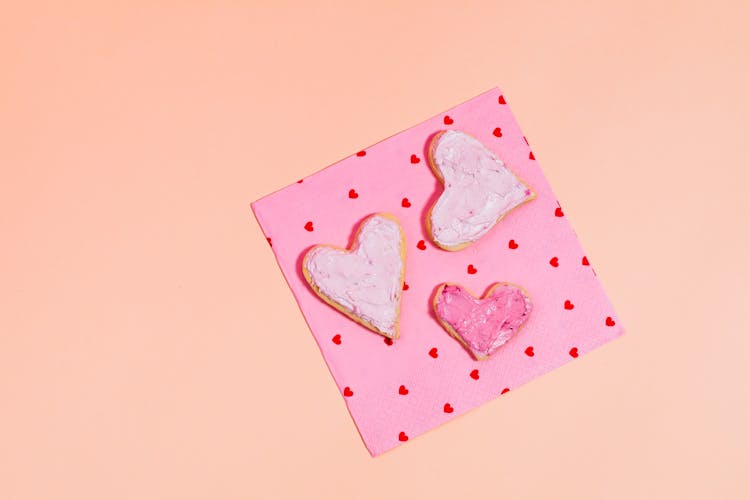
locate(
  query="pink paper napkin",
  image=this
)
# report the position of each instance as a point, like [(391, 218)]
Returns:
[(396, 391)]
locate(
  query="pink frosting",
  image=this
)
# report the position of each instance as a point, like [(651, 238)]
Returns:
[(483, 324), (479, 189), (366, 281)]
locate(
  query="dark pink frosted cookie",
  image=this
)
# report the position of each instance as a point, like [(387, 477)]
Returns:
[(482, 325)]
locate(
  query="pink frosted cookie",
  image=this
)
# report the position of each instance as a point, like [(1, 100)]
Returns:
[(479, 190), (482, 325), (364, 282)]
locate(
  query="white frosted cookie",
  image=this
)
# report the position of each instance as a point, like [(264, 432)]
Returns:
[(479, 190), (364, 282)]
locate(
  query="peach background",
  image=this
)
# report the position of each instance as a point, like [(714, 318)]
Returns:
[(149, 347)]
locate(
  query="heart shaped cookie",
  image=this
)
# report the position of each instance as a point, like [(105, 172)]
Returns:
[(364, 282), (482, 325), (479, 190)]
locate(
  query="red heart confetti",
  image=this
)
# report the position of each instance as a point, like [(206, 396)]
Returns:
[(388, 341), (497, 132), (471, 269), (569, 305), (447, 408), (554, 262), (353, 194), (529, 351), (501, 100), (504, 391), (474, 374), (531, 156), (421, 245), (402, 436), (447, 120), (585, 261), (512, 244), (269, 241), (403, 390), (309, 226), (336, 339), (348, 392), (405, 287), (433, 352), (573, 352), (559, 212), (609, 321), (361, 153), (414, 159), (405, 203)]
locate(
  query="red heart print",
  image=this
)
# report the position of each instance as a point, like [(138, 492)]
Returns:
[(529, 351), (300, 181), (512, 244), (501, 100), (559, 212), (405, 203), (554, 262), (309, 226), (361, 153), (504, 391), (403, 390), (402, 436), (433, 352), (269, 241), (471, 269), (531, 156), (447, 408), (388, 341), (421, 245), (573, 352), (609, 321), (405, 287), (569, 305), (348, 392), (353, 194), (585, 261), (447, 120), (497, 132), (474, 374), (336, 339), (414, 159)]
